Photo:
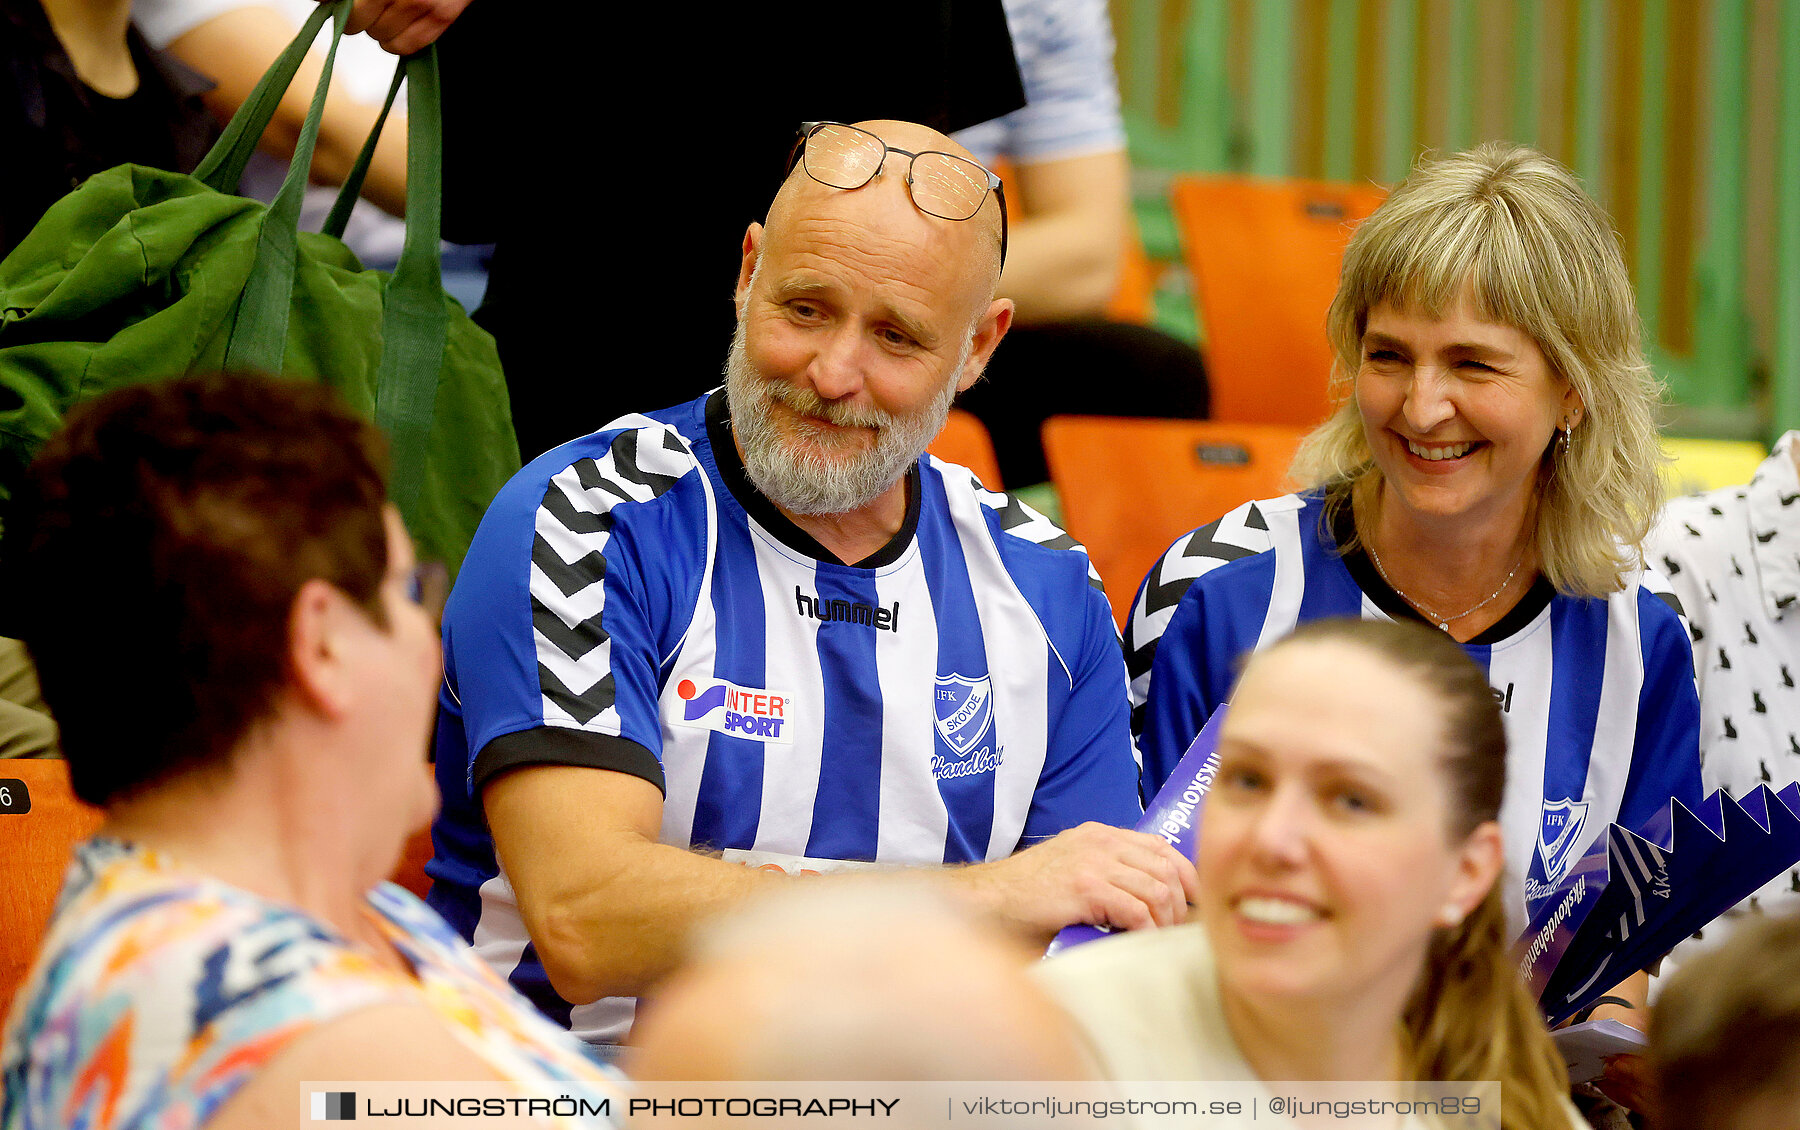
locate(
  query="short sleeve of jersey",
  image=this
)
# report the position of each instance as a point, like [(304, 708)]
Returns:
[(164, 21), (1665, 765), (1090, 770), (1187, 626), (575, 588), (1065, 52), (363, 69)]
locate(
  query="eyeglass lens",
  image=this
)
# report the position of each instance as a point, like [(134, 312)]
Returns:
[(429, 586), (843, 156), (942, 185)]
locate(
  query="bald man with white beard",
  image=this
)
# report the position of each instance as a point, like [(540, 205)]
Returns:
[(760, 635)]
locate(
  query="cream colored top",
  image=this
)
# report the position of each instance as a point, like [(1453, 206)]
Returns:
[(1147, 1005)]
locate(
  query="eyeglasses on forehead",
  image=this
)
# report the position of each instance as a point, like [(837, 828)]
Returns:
[(940, 184)]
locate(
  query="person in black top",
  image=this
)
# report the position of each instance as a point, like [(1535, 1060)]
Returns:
[(82, 92), (545, 156)]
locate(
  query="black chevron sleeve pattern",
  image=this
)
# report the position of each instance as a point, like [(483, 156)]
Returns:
[(568, 565), (1242, 533)]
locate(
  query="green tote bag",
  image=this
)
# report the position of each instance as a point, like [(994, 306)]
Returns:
[(142, 275)]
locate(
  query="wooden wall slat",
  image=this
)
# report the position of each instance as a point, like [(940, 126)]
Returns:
[(1670, 126)]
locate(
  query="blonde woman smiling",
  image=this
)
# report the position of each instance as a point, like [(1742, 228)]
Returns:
[(1350, 924)]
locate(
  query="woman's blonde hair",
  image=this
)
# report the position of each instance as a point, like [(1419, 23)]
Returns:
[(1469, 1017), (1541, 256)]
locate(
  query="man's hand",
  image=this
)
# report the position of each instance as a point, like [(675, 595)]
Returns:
[(1094, 874), (404, 26)]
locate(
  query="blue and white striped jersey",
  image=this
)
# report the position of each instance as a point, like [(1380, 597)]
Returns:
[(1602, 717), (631, 603)]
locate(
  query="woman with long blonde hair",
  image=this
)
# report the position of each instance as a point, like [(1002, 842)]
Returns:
[(1350, 924), (1490, 469)]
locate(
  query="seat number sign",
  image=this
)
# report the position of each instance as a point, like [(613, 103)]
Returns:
[(15, 798)]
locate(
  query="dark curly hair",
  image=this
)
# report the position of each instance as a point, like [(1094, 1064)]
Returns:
[(155, 551)]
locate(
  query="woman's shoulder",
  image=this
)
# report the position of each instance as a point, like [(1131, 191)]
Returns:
[(1646, 602), (1147, 1005), (128, 915), (484, 1012), (1149, 957), (1250, 530), (181, 984), (1249, 527)]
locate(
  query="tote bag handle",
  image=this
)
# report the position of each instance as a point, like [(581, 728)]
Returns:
[(414, 317)]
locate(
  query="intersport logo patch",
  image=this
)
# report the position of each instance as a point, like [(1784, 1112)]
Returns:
[(726, 708)]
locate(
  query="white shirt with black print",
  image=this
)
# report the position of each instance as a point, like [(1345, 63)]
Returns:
[(1733, 556)]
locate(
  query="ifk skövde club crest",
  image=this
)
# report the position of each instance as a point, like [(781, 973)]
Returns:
[(1559, 835), (964, 709)]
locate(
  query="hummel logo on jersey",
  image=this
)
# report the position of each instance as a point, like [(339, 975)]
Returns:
[(726, 708), (852, 611)]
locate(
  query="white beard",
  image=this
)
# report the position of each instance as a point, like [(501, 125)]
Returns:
[(802, 480)]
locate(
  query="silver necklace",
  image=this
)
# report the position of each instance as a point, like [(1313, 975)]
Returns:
[(1443, 622)]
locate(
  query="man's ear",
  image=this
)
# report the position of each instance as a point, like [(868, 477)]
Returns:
[(317, 648), (988, 332), (753, 238)]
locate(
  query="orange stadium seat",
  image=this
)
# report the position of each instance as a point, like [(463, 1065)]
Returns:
[(965, 441), (1264, 256), (34, 853), (1130, 487)]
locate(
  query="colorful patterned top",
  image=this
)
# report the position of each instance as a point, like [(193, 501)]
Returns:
[(159, 992)]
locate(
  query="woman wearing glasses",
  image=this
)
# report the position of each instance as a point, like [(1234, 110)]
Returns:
[(1350, 924), (223, 625), (1490, 470)]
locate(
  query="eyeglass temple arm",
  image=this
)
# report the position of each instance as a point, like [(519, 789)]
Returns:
[(1000, 200)]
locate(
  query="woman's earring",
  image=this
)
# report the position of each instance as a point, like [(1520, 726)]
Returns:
[(1562, 440)]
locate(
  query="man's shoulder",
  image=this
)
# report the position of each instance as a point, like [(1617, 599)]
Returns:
[(1652, 603), (1021, 531), (573, 502), (1701, 525), (637, 458)]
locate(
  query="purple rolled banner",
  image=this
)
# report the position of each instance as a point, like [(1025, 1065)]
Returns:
[(1635, 894), (1174, 814)]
